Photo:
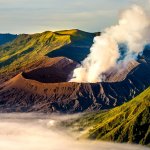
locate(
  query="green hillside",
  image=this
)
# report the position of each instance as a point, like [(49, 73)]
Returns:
[(26, 49), (127, 123), (78, 48)]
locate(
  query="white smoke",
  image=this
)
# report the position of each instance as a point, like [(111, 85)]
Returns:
[(35, 132), (133, 30)]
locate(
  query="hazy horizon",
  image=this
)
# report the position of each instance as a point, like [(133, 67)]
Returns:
[(47, 30), (36, 16)]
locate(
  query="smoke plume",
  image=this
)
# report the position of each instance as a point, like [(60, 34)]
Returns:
[(133, 29)]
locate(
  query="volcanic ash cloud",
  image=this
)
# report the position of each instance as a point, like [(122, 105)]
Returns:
[(133, 29)]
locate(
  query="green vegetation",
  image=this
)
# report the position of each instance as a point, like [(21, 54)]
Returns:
[(79, 47), (127, 123), (30, 49)]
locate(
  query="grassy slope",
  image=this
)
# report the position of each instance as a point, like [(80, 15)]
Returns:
[(127, 123), (78, 48), (30, 49)]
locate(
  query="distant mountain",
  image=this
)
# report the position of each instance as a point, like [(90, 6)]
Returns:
[(29, 50), (5, 38), (127, 123)]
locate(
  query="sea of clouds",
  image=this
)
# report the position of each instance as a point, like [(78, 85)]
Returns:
[(40, 132)]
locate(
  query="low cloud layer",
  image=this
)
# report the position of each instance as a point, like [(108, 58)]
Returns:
[(38, 132)]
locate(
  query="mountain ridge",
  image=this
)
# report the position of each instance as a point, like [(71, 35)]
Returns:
[(42, 81), (126, 123), (67, 97), (27, 50)]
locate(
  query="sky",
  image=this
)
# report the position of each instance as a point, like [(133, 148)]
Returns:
[(32, 16)]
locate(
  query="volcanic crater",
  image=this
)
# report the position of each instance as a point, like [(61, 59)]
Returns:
[(45, 88)]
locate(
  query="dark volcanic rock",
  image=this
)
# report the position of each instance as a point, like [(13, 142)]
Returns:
[(34, 90), (22, 94), (120, 73), (55, 72)]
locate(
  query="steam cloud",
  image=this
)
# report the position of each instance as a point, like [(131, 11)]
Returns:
[(133, 30), (39, 132)]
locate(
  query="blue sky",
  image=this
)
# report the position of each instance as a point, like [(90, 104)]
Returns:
[(30, 16)]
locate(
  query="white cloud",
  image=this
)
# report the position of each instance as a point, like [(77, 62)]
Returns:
[(38, 132)]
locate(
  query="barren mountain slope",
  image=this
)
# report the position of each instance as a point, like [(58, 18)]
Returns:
[(35, 91)]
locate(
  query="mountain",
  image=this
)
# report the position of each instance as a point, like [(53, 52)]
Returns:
[(28, 50), (5, 38), (127, 123), (120, 73), (78, 49), (35, 90), (31, 80)]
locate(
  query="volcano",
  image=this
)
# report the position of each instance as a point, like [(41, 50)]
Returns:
[(54, 71), (45, 88)]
